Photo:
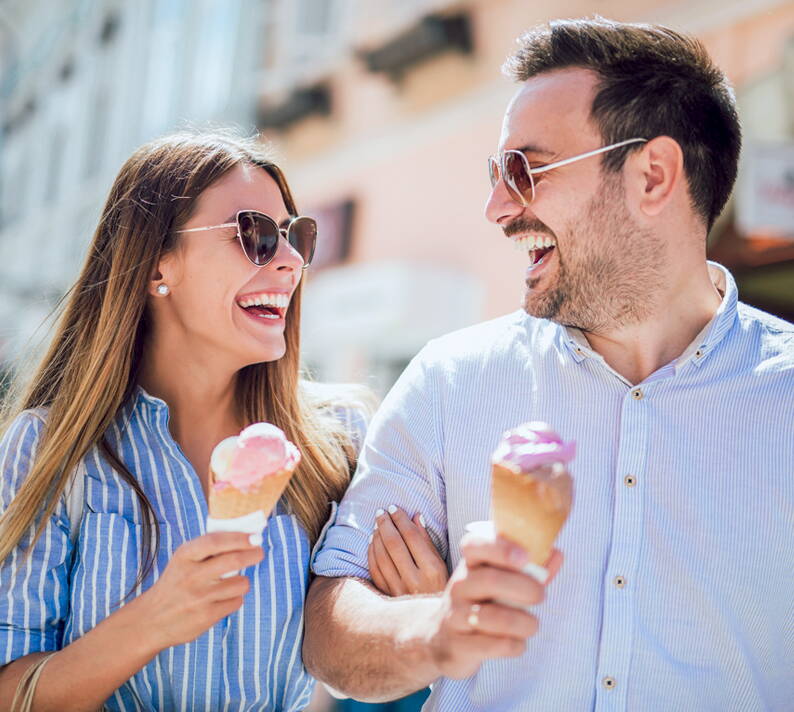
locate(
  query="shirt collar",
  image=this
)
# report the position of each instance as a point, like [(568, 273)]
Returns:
[(701, 346)]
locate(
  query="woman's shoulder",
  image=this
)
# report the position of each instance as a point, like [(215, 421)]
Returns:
[(18, 444), (25, 428)]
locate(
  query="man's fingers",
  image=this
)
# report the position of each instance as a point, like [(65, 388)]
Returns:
[(553, 564), (386, 566), (493, 551), (396, 547), (494, 619), (492, 646), (486, 583), (204, 547)]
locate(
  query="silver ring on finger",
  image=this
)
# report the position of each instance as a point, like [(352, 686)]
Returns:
[(474, 616)]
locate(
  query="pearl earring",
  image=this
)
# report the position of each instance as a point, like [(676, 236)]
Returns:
[(163, 289)]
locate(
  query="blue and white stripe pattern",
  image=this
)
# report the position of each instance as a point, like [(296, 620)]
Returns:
[(677, 590), (251, 660)]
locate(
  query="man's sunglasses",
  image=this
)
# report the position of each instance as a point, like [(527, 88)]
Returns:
[(259, 235), (513, 166)]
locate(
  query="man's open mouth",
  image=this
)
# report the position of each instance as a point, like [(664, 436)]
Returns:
[(537, 246), (265, 305)]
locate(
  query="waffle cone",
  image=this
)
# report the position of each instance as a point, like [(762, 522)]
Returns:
[(229, 502), (530, 508)]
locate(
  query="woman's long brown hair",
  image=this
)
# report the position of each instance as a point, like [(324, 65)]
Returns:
[(90, 369)]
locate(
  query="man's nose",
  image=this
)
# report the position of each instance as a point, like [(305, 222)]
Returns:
[(500, 208)]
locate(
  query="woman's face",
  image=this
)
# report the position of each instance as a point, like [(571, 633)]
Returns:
[(210, 278)]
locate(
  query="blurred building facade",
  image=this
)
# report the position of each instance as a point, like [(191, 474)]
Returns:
[(83, 83), (408, 104), (383, 112)]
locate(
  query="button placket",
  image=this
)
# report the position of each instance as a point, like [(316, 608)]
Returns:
[(619, 598)]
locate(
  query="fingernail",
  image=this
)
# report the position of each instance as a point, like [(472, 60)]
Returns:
[(422, 521), (256, 539), (379, 513), (518, 556), (371, 537), (392, 509)]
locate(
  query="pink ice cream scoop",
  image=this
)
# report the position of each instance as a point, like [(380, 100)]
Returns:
[(244, 461), (533, 445)]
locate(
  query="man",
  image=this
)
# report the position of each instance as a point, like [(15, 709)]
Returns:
[(676, 592)]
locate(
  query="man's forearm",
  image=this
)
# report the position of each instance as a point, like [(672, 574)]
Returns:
[(366, 645)]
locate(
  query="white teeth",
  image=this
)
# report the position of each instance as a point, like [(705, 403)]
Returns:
[(533, 242), (280, 301)]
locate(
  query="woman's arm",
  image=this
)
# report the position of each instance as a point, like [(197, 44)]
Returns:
[(189, 598)]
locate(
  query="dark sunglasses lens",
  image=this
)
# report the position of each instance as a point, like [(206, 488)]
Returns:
[(259, 237), (518, 181), (302, 235)]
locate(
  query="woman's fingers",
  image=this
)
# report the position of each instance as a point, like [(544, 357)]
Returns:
[(396, 547), (389, 571), (375, 574), (416, 539)]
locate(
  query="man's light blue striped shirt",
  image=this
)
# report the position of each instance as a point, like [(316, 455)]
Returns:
[(250, 660), (677, 591)]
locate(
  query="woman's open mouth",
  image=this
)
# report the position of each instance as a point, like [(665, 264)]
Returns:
[(265, 305)]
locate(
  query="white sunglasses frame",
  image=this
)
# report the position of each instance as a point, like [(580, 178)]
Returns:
[(284, 231), (549, 166)]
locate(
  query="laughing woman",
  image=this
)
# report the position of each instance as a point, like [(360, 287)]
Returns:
[(181, 330)]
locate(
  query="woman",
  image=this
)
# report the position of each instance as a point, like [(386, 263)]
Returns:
[(182, 329)]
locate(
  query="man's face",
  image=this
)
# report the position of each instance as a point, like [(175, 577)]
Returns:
[(603, 269)]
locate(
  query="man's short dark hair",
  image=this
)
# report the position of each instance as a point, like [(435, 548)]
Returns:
[(653, 81)]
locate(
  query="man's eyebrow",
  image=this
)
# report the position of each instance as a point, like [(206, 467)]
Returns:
[(531, 148)]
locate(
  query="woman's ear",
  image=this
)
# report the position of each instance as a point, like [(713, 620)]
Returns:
[(163, 277)]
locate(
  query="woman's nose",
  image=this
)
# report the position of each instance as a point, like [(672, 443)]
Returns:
[(287, 257)]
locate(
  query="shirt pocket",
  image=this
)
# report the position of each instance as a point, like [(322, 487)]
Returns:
[(108, 556)]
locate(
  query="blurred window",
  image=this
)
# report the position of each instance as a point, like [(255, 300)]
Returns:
[(97, 125), (54, 166)]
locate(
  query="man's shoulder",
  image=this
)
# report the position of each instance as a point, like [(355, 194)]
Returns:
[(485, 340), (771, 336)]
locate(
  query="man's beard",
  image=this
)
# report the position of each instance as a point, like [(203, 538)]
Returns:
[(612, 270)]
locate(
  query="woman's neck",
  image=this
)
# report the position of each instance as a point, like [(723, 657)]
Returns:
[(200, 402)]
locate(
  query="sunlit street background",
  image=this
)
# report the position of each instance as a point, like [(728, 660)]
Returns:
[(382, 113)]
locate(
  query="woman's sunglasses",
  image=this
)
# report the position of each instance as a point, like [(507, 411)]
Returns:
[(259, 235)]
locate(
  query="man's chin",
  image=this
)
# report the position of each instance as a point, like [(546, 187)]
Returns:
[(542, 304)]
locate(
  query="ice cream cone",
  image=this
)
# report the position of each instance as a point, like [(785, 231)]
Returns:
[(227, 502), (531, 508), (532, 488)]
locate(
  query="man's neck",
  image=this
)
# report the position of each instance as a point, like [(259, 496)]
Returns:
[(638, 350)]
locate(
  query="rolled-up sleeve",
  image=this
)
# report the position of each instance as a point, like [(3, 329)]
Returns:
[(34, 584), (400, 464)]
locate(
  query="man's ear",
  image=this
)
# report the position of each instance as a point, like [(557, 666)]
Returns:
[(658, 174)]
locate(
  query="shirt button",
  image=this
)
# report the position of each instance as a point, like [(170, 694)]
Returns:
[(699, 353), (609, 683), (630, 480), (637, 394), (619, 581)]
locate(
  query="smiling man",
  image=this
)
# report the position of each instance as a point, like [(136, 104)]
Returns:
[(617, 154)]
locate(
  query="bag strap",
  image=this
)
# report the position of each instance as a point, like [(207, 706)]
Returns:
[(26, 689)]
